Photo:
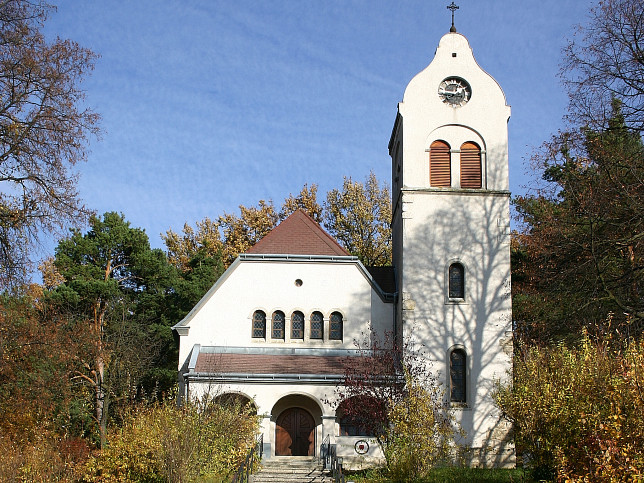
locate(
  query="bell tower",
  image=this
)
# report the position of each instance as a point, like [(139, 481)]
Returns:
[(451, 238)]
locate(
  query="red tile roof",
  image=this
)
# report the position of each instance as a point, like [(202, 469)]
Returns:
[(236, 363), (226, 363), (298, 234)]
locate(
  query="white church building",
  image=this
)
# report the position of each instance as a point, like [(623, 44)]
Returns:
[(278, 325)]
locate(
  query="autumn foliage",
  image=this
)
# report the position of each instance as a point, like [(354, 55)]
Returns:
[(578, 411), (162, 443), (358, 216), (44, 132), (390, 392)]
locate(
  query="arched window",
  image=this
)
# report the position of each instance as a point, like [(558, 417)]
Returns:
[(440, 165), (259, 324), (470, 165), (456, 281), (277, 331), (361, 416), (297, 325), (335, 326), (457, 374), (237, 401), (317, 325)]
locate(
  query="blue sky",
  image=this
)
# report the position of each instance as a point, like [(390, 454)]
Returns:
[(207, 105)]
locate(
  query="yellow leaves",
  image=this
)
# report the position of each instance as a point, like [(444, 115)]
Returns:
[(421, 432), (359, 216), (306, 200), (576, 410), (166, 443)]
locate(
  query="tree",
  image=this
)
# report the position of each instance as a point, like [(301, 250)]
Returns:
[(306, 200), (605, 61), (34, 365), (225, 238), (359, 217), (579, 257), (109, 272), (242, 232), (389, 392), (44, 131)]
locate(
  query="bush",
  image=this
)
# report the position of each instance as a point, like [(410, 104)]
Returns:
[(165, 443), (46, 458), (579, 412), (421, 433)]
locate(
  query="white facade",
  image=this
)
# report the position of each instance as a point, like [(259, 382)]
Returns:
[(437, 231), (222, 324), (437, 227)]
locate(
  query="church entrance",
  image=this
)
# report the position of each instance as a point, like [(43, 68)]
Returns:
[(294, 433)]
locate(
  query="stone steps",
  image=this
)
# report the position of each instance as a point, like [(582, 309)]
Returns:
[(291, 469)]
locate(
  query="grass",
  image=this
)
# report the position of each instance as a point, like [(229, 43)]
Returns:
[(449, 475)]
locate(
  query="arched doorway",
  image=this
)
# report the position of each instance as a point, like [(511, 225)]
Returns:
[(294, 433)]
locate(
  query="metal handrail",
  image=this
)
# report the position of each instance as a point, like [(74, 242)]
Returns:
[(248, 466), (324, 452), (328, 453)]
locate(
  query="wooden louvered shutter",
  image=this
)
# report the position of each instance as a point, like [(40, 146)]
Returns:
[(470, 166), (439, 165)]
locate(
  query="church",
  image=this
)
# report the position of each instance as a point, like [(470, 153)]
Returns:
[(278, 326)]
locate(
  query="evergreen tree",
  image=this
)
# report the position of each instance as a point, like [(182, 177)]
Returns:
[(578, 260)]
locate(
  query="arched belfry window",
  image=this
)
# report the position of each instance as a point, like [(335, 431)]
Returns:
[(317, 325), (456, 281), (277, 331), (297, 325), (259, 324), (440, 165), (470, 165), (458, 376), (335, 326)]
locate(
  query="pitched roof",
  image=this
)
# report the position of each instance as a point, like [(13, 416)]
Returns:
[(298, 234), (235, 363), (269, 364)]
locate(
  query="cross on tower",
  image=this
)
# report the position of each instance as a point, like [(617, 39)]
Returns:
[(452, 7)]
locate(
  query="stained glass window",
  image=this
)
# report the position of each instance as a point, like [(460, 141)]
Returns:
[(297, 325), (317, 325), (259, 324), (456, 281), (335, 329), (457, 368), (278, 325)]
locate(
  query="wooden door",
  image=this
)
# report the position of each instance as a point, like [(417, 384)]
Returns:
[(294, 433)]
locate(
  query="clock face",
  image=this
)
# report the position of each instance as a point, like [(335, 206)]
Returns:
[(454, 91)]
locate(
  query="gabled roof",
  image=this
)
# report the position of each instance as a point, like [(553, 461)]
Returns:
[(298, 234)]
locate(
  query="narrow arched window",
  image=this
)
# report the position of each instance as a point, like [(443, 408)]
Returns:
[(335, 326), (317, 325), (440, 165), (259, 324), (470, 165), (277, 331), (457, 373), (456, 281), (297, 325)]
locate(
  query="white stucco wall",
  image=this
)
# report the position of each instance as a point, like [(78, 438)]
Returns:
[(439, 226), (427, 118), (477, 236), (224, 316)]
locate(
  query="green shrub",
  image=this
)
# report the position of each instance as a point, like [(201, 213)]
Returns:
[(166, 443), (579, 412), (421, 434)]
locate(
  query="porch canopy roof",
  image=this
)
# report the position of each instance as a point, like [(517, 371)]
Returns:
[(267, 364)]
